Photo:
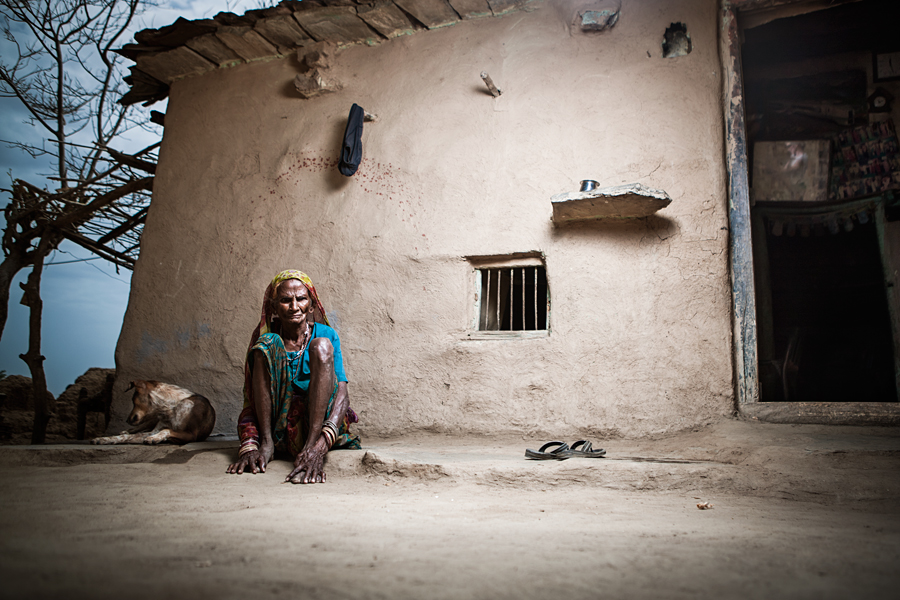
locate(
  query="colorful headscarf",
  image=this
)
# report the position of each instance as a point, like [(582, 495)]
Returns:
[(268, 314)]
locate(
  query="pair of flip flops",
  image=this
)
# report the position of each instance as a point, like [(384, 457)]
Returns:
[(562, 451)]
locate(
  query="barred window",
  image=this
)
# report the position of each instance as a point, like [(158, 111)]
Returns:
[(513, 299), (513, 296)]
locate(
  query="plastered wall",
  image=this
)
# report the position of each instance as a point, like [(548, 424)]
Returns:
[(247, 186)]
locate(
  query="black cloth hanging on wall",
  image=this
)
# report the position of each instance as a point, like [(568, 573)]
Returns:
[(351, 152)]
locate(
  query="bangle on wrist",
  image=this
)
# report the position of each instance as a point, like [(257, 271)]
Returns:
[(329, 437), (248, 447)]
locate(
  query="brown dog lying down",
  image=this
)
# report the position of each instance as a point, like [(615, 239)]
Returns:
[(164, 412)]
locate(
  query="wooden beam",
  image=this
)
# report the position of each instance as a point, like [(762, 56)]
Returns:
[(824, 413), (338, 24), (113, 256), (501, 7), (889, 274), (214, 50), (743, 293), (128, 225), (132, 161), (387, 19), (490, 84), (245, 42), (138, 185), (755, 14), (283, 32), (471, 9), (748, 5), (174, 64), (430, 13)]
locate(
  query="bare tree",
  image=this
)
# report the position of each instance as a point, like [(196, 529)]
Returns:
[(65, 73)]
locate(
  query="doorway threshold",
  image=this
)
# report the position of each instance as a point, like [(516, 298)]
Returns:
[(823, 413)]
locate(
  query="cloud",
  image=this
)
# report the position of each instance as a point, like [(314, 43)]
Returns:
[(13, 127), (84, 303), (168, 12)]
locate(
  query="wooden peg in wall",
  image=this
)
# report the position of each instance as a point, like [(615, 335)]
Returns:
[(490, 84)]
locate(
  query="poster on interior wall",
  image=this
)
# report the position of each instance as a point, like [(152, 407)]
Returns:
[(791, 170), (866, 161)]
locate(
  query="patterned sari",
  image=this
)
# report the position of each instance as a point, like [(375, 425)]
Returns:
[(290, 410)]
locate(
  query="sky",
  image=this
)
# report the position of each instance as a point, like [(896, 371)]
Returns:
[(84, 300)]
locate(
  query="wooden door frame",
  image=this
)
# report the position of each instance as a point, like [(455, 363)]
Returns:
[(743, 292)]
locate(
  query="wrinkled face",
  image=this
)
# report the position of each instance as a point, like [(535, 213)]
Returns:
[(142, 403), (292, 303)]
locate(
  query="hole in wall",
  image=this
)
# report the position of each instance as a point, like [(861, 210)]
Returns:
[(676, 41)]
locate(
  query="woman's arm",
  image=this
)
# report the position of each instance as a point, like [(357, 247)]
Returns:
[(341, 404), (257, 460), (309, 464)]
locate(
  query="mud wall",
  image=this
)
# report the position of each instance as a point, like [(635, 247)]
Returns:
[(640, 313)]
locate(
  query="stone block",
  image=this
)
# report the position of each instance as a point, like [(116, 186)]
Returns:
[(599, 20), (317, 56), (628, 201), (313, 83)]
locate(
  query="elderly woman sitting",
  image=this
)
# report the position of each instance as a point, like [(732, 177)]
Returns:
[(295, 389)]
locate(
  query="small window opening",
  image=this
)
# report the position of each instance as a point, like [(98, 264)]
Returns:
[(677, 42), (513, 299)]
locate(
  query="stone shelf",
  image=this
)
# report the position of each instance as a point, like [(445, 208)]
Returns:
[(628, 201)]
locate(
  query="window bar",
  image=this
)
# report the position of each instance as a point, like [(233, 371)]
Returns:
[(485, 314), (547, 306), (512, 324), (535, 299), (497, 303), (523, 298)]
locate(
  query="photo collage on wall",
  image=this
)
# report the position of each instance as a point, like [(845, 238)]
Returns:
[(865, 161)]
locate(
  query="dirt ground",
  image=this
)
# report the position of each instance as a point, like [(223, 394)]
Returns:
[(798, 512)]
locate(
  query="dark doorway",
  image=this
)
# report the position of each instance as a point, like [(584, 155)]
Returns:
[(824, 320), (831, 327)]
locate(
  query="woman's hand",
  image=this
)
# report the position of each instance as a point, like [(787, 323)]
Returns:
[(255, 461), (308, 466)]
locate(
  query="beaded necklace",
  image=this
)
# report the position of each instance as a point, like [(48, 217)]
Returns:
[(295, 357)]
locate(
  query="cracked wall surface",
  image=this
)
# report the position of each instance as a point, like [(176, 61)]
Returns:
[(247, 185)]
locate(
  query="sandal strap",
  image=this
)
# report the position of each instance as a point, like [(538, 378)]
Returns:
[(582, 446), (562, 447)]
